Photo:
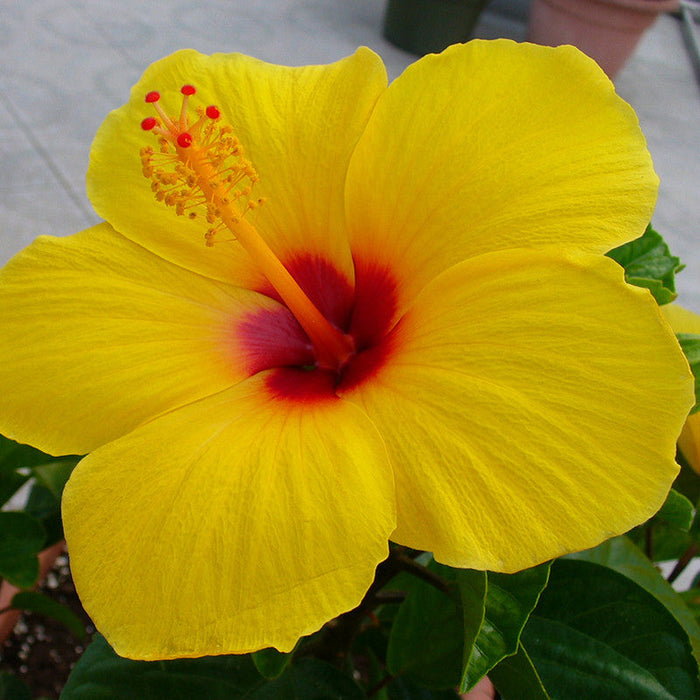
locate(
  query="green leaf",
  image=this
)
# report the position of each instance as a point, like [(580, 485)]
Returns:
[(595, 633), (473, 590), (690, 344), (691, 598), (426, 639), (677, 511), (10, 482), (623, 556), (43, 505), (510, 598), (270, 662), (54, 475), (309, 679), (102, 675), (648, 263), (11, 688), (406, 689), (516, 678), (30, 601), (21, 539)]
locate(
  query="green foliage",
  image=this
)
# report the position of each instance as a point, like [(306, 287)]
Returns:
[(623, 556), (691, 347), (271, 663), (595, 633), (426, 641), (516, 678), (507, 604), (677, 511), (648, 263), (406, 689), (102, 675), (21, 539), (46, 477)]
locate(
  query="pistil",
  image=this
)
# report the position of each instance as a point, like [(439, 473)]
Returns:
[(200, 166)]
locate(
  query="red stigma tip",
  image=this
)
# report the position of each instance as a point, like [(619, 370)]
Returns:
[(188, 90), (153, 96), (184, 140), (213, 112), (148, 123)]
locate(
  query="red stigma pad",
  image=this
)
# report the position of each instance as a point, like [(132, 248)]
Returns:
[(188, 90), (213, 112), (153, 96), (184, 140), (148, 123)]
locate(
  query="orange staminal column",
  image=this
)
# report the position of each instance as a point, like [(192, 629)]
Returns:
[(200, 165)]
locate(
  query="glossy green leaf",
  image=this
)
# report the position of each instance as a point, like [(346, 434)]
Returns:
[(597, 634), (648, 263), (473, 587), (102, 675), (510, 598), (690, 344), (30, 601), (691, 598), (406, 689), (11, 688), (623, 556), (426, 640), (270, 662), (309, 679), (515, 678), (677, 511), (10, 482), (21, 539), (55, 474), (43, 505)]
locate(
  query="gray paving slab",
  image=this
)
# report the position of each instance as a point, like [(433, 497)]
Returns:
[(66, 63)]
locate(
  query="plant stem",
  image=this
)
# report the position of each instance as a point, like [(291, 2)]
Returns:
[(649, 541), (683, 562), (423, 573)]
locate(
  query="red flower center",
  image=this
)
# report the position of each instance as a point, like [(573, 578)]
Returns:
[(274, 340)]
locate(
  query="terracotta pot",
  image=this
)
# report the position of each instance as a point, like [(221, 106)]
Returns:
[(607, 30), (429, 26)]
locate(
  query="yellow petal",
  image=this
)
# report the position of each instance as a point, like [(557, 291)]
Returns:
[(530, 405), (689, 441), (99, 335), (495, 145), (685, 321), (298, 127), (681, 320), (240, 522)]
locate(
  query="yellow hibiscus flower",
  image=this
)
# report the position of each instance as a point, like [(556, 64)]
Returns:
[(384, 314)]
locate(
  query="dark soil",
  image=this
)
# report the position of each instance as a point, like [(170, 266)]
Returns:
[(41, 652)]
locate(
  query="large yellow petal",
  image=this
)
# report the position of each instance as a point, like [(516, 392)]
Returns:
[(237, 523), (298, 126), (530, 404), (99, 335), (495, 145), (686, 321)]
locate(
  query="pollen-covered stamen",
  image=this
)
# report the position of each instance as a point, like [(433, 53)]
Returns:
[(185, 150), (200, 168)]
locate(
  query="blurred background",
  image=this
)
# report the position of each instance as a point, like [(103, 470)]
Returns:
[(66, 63)]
